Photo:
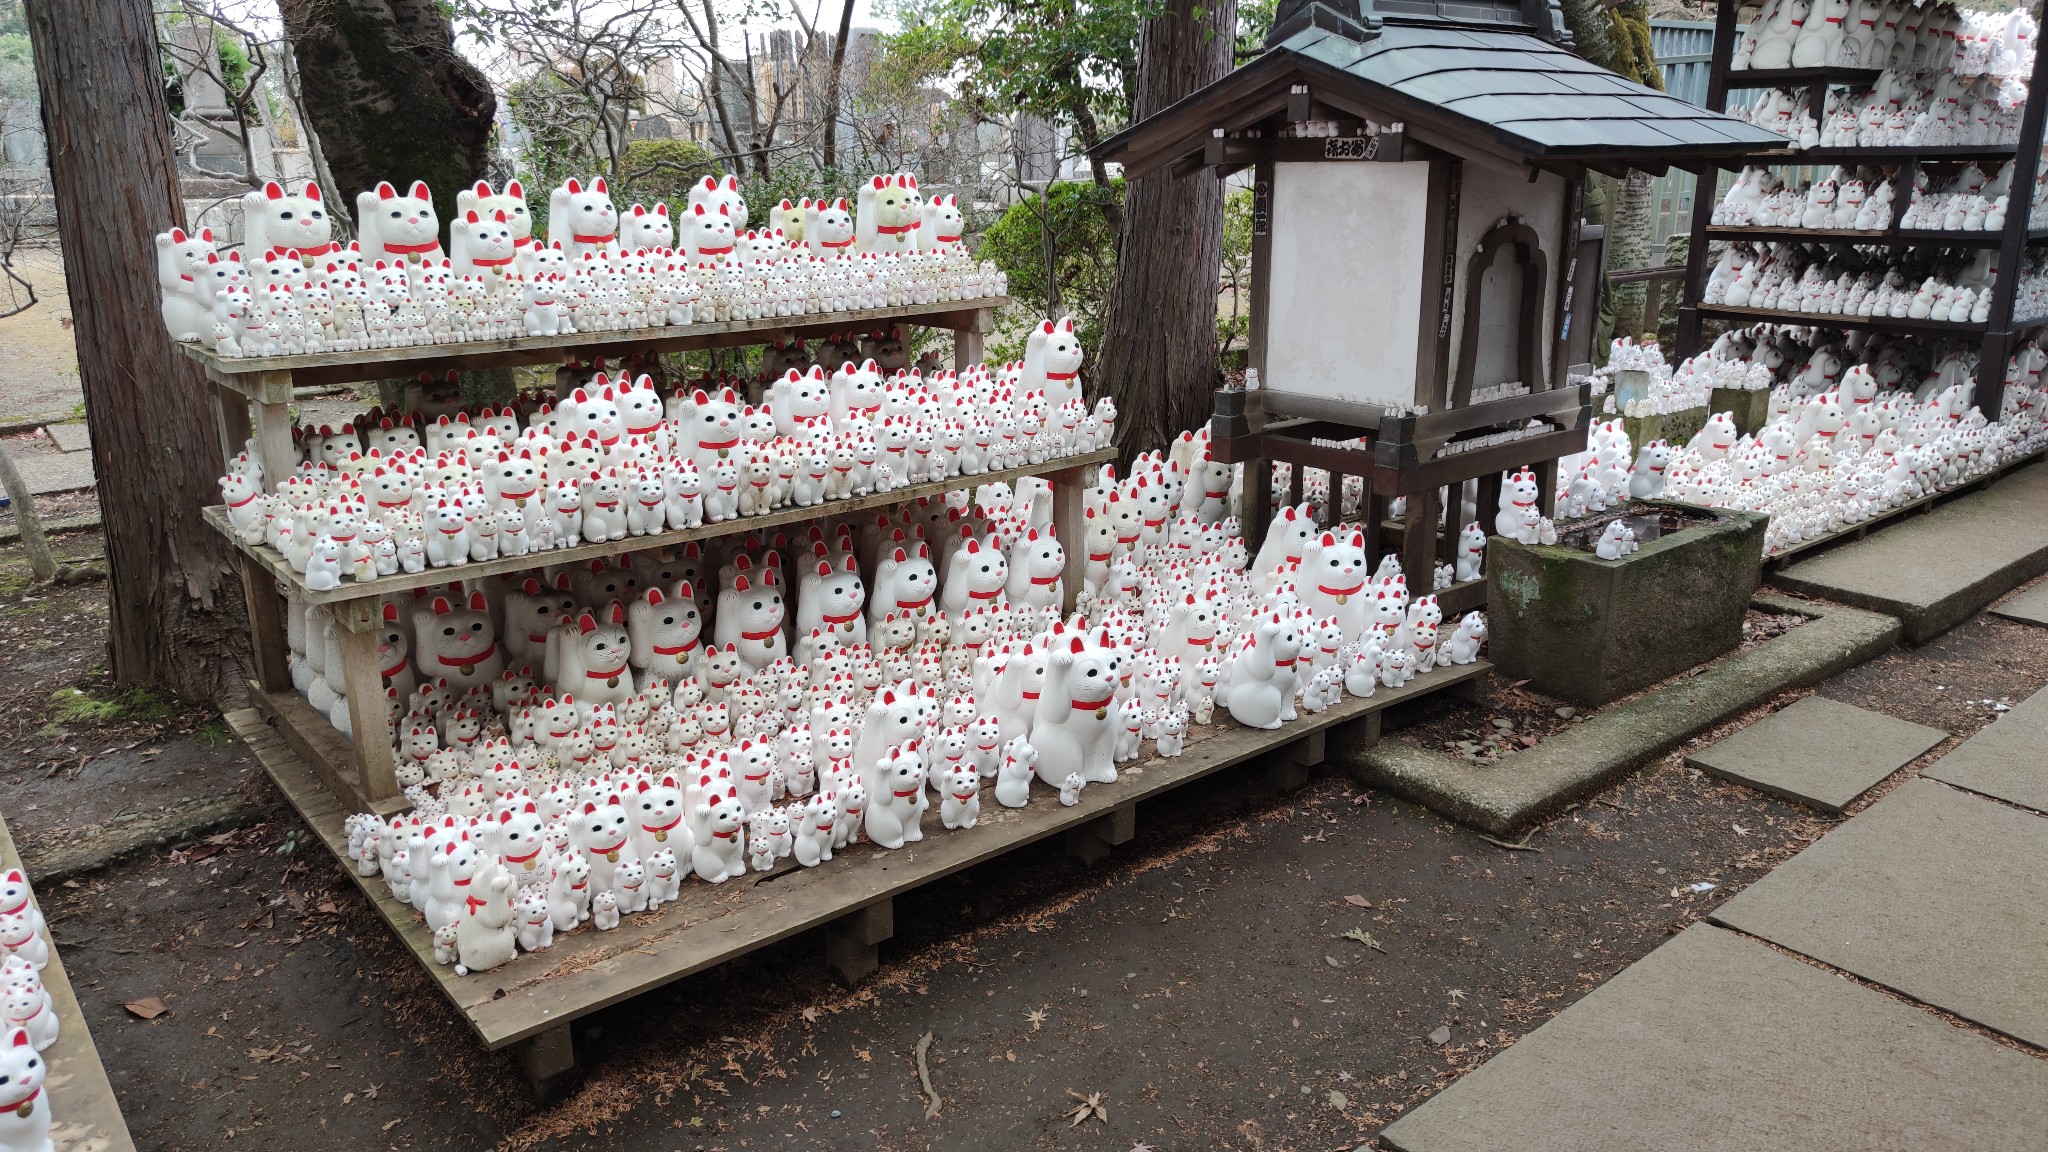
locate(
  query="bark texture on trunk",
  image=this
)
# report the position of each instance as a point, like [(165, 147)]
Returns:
[(389, 96), (1628, 246), (1158, 354), (154, 442), (835, 76)]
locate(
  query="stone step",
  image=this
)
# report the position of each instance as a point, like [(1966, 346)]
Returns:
[(1934, 571)]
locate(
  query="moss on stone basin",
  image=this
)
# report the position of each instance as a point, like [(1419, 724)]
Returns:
[(1589, 630)]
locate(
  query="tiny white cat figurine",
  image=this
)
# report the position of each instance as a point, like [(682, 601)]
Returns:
[(24, 1110)]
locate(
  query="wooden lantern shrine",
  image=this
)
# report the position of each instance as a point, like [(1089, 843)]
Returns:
[(1417, 175)]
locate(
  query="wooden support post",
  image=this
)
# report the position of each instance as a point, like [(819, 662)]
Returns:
[(1287, 769), (1071, 524), (970, 344), (549, 1061), (1418, 541), (279, 456), (268, 650), (375, 767), (1471, 690), (1090, 843), (850, 952), (231, 421), (1366, 733)]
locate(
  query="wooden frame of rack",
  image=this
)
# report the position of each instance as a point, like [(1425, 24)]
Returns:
[(531, 1002), (1996, 337)]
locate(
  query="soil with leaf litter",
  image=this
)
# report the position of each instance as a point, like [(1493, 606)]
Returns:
[(1254, 971)]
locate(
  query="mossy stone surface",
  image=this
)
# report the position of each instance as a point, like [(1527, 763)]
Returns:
[(1589, 630)]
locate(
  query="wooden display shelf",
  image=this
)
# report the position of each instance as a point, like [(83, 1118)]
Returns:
[(84, 1112), (1903, 238), (254, 376), (537, 996), (1826, 320), (1882, 155), (1786, 77), (788, 517)]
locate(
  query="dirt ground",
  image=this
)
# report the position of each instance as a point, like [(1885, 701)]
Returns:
[(41, 381), (1255, 971)]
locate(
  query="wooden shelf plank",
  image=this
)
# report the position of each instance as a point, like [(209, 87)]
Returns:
[(279, 567), (81, 1098), (1871, 155), (1824, 320), (587, 970), (1784, 77), (1905, 238), (244, 374)]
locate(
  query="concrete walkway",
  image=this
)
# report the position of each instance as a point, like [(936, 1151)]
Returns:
[(1885, 988)]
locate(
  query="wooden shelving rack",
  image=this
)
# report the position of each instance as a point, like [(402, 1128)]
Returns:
[(531, 1002), (1996, 338)]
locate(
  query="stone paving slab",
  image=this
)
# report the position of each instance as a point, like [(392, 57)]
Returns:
[(70, 437), (2029, 607), (45, 468), (1936, 570), (2007, 758), (1931, 891), (1817, 751), (1714, 1043)]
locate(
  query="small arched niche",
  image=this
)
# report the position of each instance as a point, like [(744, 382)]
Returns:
[(1503, 330)]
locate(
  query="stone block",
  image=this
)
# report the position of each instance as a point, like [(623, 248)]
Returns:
[(1714, 1043), (1589, 630), (2005, 758), (1931, 891), (1817, 751)]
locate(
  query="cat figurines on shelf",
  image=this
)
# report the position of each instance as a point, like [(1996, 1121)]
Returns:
[(1013, 778), (582, 219), (485, 937), (604, 911), (182, 282), (1517, 496), (1463, 646), (960, 797), (569, 891), (719, 822), (398, 228), (894, 816), (1052, 362), (1074, 727), (533, 924), (1259, 691)]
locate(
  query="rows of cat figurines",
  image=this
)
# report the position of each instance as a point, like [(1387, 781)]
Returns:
[(1895, 35), (1839, 446), (616, 459), (291, 288), (697, 743), (28, 1019)]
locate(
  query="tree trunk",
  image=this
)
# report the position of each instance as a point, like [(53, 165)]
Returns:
[(389, 96), (1158, 354), (1628, 246), (154, 445), (833, 79)]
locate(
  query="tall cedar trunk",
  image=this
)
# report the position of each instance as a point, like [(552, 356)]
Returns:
[(171, 622), (1629, 247), (389, 96), (1158, 352), (833, 78)]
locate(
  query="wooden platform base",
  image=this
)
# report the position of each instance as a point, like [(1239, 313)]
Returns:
[(534, 999), (83, 1111)]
